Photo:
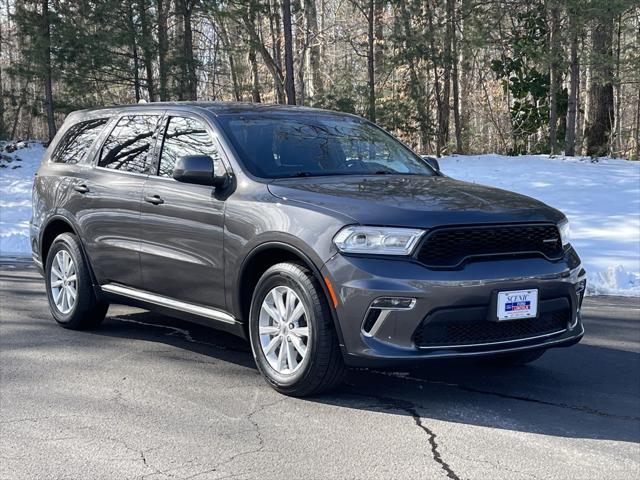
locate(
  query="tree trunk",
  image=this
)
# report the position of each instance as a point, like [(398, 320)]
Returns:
[(224, 36), (163, 48), (572, 105), (275, 25), (47, 77), (311, 17), (134, 52), (416, 88), (269, 61), (189, 60), (637, 133), (442, 98), (22, 100), (289, 78), (555, 77), (300, 42), (601, 111), (451, 8), (3, 132), (255, 78), (371, 73), (617, 142), (379, 36), (446, 79), (147, 48), (466, 73)]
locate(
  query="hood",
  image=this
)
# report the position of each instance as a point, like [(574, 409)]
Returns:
[(413, 201)]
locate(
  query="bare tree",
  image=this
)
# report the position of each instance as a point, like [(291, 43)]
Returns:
[(555, 75), (289, 79), (47, 73), (572, 105)]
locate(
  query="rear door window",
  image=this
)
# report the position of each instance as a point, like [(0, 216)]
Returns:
[(128, 147), (187, 136), (75, 145)]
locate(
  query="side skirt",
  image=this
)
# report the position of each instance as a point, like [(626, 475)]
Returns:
[(207, 316)]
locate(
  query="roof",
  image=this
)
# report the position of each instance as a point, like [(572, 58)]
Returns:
[(217, 108)]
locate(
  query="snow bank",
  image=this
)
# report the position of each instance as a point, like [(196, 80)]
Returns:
[(16, 177), (601, 199)]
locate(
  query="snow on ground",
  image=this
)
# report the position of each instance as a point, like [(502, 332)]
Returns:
[(16, 178), (601, 199)]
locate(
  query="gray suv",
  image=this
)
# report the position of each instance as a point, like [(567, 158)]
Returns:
[(317, 236)]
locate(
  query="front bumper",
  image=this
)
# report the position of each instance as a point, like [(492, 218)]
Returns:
[(358, 281)]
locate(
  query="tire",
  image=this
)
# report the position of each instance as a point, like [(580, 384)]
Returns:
[(517, 358), (322, 367), (85, 310)]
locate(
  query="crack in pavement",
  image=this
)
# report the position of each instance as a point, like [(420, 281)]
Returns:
[(256, 428), (579, 408), (389, 403)]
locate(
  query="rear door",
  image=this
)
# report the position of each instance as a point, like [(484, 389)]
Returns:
[(112, 195), (182, 224)]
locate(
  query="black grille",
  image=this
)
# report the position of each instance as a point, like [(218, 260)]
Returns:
[(443, 330), (448, 247)]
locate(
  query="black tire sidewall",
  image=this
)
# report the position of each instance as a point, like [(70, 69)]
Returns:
[(294, 279), (69, 243)]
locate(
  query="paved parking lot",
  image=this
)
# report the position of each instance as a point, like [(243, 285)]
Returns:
[(151, 397)]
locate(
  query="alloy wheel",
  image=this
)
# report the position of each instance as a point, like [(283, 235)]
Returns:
[(284, 330), (64, 283)]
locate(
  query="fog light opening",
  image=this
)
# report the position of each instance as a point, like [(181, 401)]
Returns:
[(380, 309)]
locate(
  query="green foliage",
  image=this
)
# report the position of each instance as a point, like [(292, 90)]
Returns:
[(522, 77)]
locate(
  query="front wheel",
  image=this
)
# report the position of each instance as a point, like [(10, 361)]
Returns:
[(293, 340), (72, 300)]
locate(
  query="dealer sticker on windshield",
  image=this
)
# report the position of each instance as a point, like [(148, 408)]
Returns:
[(517, 304)]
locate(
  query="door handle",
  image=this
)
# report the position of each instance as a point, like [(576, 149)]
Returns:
[(81, 188), (154, 199)]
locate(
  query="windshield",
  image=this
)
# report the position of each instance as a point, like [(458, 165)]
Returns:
[(283, 146)]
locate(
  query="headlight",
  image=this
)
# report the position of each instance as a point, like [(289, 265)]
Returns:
[(565, 232), (377, 240)]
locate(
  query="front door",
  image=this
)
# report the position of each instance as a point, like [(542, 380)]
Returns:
[(182, 224)]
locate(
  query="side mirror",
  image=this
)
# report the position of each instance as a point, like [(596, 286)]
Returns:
[(198, 169), (432, 161)]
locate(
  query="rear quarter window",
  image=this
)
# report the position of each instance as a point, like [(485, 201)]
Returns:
[(75, 144)]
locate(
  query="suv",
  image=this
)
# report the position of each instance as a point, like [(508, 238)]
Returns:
[(315, 235)]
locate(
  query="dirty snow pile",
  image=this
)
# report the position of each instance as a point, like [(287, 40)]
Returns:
[(601, 199)]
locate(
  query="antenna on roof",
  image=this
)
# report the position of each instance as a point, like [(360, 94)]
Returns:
[(142, 100)]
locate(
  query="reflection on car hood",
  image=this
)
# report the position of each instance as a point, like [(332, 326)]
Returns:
[(413, 201)]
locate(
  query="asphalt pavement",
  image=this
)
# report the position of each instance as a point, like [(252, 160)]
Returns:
[(148, 396)]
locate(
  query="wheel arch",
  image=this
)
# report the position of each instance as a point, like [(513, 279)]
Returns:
[(258, 261), (55, 226)]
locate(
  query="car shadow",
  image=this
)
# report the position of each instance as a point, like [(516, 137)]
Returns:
[(587, 391)]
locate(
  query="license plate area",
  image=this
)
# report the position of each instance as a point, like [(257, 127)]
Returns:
[(515, 304)]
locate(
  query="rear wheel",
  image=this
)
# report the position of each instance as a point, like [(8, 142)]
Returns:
[(516, 358), (72, 300), (292, 335)]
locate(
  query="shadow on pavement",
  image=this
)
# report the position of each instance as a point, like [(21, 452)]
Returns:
[(585, 391)]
